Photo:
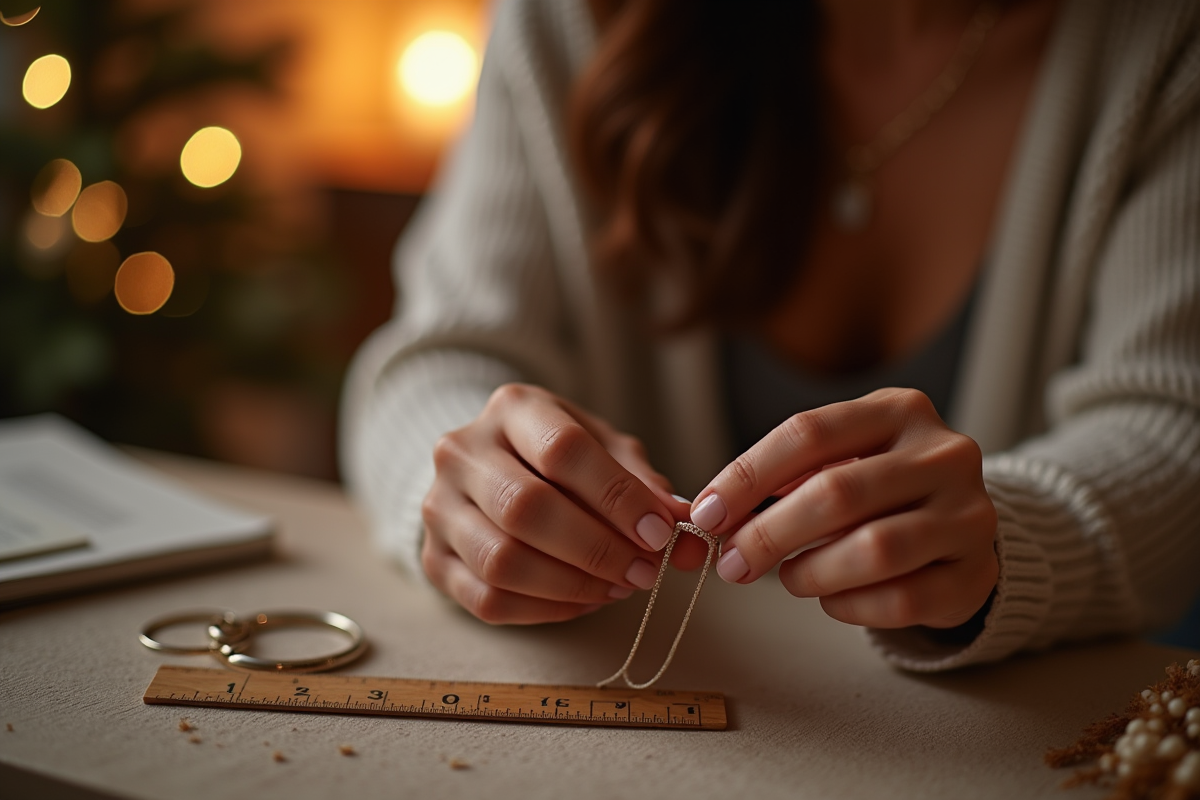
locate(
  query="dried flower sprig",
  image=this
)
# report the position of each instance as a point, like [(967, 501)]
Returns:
[(1151, 751)]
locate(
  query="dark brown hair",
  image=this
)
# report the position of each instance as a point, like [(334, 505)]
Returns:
[(695, 130)]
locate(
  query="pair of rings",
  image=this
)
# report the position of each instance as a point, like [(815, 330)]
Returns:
[(230, 636)]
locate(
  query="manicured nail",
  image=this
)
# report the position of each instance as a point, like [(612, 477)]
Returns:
[(642, 574), (732, 567), (654, 531), (619, 592), (593, 607), (682, 499), (710, 513)]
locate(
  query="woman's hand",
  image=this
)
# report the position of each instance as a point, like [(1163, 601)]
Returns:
[(898, 497), (541, 512)]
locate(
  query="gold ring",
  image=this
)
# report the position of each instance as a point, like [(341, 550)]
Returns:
[(234, 631), (230, 652)]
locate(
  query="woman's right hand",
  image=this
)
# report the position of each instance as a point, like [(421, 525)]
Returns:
[(541, 512)]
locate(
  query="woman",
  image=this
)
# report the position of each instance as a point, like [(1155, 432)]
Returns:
[(674, 236)]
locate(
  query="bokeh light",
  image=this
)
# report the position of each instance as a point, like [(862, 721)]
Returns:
[(43, 241), (99, 211), (44, 233), (46, 81), (56, 187), (144, 283), (91, 269), (438, 68), (17, 20), (210, 157)]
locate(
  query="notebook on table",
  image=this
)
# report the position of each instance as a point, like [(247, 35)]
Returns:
[(77, 513)]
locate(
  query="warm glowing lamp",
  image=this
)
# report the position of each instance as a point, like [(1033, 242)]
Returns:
[(144, 283), (46, 81), (210, 157), (438, 68)]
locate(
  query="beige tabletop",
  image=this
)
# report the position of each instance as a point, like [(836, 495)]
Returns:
[(814, 713)]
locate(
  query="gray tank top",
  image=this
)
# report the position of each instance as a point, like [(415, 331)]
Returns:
[(762, 389)]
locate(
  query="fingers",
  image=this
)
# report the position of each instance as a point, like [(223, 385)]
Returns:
[(561, 449), (540, 511), (882, 508), (804, 443), (536, 513), (877, 551), (628, 451), (504, 562), (829, 502), (490, 603), (937, 596)]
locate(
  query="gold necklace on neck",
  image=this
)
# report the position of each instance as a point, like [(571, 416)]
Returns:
[(851, 203)]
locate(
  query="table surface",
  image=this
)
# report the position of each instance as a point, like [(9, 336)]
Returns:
[(813, 710)]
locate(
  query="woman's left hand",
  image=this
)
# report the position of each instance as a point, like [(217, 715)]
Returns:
[(897, 494)]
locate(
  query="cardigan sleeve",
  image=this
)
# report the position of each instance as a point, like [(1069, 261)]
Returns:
[(1099, 518), (479, 305)]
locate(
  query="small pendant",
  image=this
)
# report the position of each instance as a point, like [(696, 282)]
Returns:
[(850, 205)]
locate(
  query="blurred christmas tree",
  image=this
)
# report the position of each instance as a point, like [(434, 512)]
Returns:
[(245, 317)]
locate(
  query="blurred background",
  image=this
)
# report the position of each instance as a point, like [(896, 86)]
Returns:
[(198, 203)]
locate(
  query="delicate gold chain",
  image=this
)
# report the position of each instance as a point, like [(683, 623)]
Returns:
[(714, 548), (864, 159)]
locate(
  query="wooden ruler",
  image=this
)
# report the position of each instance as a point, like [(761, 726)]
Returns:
[(405, 697)]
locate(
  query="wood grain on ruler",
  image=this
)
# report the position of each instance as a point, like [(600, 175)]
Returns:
[(405, 697)]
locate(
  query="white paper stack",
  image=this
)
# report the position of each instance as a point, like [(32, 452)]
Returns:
[(76, 513)]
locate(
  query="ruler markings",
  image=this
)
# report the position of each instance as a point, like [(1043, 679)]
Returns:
[(551, 704)]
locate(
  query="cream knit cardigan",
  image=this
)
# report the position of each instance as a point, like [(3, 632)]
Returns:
[(1081, 375)]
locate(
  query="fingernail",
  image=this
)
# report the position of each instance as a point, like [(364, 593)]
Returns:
[(710, 513), (593, 607), (642, 574), (619, 592), (654, 531), (682, 499), (732, 567)]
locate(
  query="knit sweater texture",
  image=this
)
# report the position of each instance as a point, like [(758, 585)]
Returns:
[(1081, 371)]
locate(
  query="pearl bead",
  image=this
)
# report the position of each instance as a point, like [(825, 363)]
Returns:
[(1124, 748), (1125, 769), (1135, 725), (1156, 709), (1187, 772), (1177, 707), (1171, 747), (1147, 694), (1193, 714), (1193, 730), (1166, 696), (1155, 725), (1143, 745), (1108, 762)]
